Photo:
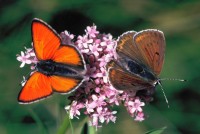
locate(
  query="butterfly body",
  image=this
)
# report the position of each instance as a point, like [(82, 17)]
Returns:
[(49, 68), (140, 56), (140, 70), (60, 68)]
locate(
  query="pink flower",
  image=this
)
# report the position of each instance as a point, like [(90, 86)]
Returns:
[(112, 94), (24, 59), (94, 49), (107, 39), (104, 60), (89, 107), (102, 74), (66, 38), (74, 109), (30, 52), (92, 32), (98, 101), (83, 42), (139, 116), (135, 106), (23, 81)]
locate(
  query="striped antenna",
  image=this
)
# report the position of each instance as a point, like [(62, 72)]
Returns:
[(163, 93), (182, 80)]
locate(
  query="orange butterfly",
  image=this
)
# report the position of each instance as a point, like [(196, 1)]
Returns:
[(60, 68)]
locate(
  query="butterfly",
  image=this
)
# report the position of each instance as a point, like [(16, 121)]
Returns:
[(140, 57), (60, 68)]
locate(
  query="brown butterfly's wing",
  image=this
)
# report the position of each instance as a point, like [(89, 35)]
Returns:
[(123, 80), (37, 87), (125, 47), (45, 40), (151, 45)]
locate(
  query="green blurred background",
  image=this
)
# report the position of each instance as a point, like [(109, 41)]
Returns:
[(178, 19)]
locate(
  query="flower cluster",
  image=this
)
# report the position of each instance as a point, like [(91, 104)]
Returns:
[(96, 97)]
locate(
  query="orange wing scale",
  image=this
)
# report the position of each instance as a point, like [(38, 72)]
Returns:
[(37, 87), (45, 40), (63, 84), (68, 55)]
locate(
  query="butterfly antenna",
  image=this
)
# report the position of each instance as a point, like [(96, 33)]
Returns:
[(163, 93), (182, 80)]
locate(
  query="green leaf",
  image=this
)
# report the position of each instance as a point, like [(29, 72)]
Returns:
[(156, 131)]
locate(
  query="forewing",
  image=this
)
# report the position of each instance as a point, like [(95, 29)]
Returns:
[(45, 40), (68, 54), (37, 87), (65, 84), (151, 45), (125, 47)]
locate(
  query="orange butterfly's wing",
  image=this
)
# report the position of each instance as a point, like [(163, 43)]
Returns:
[(69, 55), (45, 40), (151, 45), (37, 87), (64, 84), (123, 80)]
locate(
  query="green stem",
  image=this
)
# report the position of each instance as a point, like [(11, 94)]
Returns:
[(72, 129), (64, 126), (38, 121)]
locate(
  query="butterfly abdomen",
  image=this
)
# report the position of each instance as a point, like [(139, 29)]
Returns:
[(49, 68)]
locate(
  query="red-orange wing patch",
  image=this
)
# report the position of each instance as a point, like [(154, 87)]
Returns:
[(64, 84), (45, 40), (68, 55), (37, 87)]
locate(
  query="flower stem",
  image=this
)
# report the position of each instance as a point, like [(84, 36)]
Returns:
[(65, 125), (38, 121)]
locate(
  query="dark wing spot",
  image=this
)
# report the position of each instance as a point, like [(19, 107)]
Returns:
[(157, 53)]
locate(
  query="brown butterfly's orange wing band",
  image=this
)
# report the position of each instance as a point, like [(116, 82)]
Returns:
[(69, 55), (151, 45), (45, 40), (64, 84), (37, 87), (112, 64), (126, 48)]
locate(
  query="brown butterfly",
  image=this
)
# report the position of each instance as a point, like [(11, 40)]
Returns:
[(140, 57)]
